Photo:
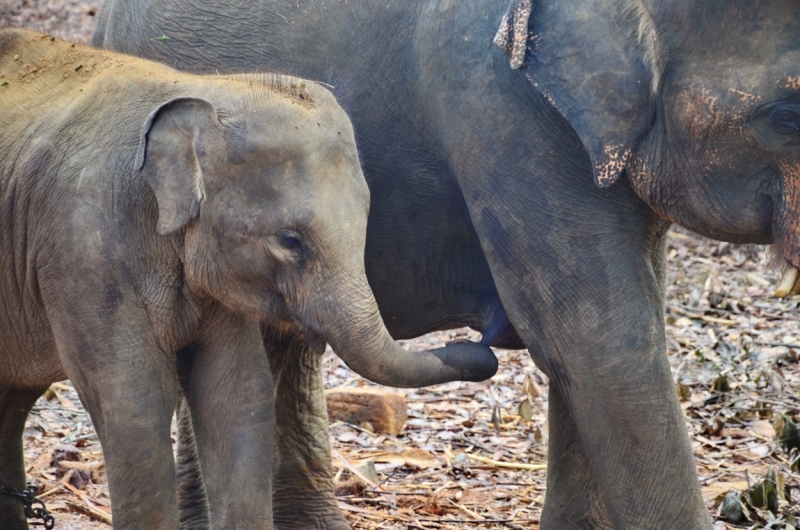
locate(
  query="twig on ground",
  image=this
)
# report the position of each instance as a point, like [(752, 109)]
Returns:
[(507, 465)]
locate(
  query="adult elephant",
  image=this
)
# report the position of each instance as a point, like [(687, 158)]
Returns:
[(545, 189)]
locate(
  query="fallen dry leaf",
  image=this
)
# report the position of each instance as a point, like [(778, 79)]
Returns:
[(713, 491), (412, 457), (763, 428)]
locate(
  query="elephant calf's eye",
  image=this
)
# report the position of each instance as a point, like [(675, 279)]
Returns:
[(786, 121)]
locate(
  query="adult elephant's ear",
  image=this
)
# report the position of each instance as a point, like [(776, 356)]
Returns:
[(597, 62), (169, 158)]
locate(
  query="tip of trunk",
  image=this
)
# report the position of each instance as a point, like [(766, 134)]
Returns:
[(473, 360), (463, 361)]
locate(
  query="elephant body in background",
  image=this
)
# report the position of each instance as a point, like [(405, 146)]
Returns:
[(154, 225), (525, 160)]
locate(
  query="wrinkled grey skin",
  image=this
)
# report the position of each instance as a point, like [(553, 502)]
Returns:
[(548, 187), (153, 223)]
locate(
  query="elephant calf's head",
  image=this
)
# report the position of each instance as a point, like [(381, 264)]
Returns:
[(267, 185)]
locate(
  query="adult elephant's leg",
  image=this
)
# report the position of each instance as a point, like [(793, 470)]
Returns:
[(584, 289), (573, 498), (591, 300), (15, 403), (572, 264), (303, 493), (230, 395)]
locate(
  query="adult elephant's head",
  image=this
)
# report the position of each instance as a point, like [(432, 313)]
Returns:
[(263, 177), (698, 102)]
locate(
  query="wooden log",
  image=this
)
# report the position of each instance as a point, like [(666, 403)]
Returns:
[(384, 411)]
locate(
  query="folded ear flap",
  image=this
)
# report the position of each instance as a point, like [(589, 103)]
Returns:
[(597, 62), (169, 158)]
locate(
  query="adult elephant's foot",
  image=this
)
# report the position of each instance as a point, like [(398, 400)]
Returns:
[(573, 499), (301, 511), (303, 479)]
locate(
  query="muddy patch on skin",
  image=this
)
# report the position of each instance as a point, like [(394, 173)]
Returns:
[(31, 61)]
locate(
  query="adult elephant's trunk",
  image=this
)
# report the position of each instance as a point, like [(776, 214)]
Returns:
[(356, 333)]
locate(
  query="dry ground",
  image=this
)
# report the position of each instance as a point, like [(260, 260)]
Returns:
[(472, 454)]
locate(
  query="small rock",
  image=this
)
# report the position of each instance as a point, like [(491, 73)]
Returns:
[(68, 453), (369, 471), (715, 300), (69, 466), (732, 508), (77, 478), (349, 487)]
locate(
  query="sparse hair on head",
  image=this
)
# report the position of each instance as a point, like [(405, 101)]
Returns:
[(302, 92)]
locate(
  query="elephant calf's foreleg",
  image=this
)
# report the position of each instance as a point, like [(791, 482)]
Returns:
[(303, 487)]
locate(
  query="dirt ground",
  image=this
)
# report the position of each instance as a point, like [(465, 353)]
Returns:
[(69, 19), (472, 454)]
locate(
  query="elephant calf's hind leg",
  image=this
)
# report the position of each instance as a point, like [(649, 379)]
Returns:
[(192, 496), (15, 404), (303, 487)]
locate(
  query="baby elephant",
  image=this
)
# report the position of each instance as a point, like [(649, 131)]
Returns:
[(150, 222)]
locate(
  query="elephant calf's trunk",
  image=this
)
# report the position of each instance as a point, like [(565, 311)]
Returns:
[(364, 344), (395, 366)]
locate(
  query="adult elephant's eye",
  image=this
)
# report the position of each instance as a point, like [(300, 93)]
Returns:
[(290, 241), (786, 121)]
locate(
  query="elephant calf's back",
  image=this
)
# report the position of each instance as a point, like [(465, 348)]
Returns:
[(60, 143)]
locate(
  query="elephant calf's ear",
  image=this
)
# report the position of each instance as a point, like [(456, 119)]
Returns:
[(168, 158), (597, 62)]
